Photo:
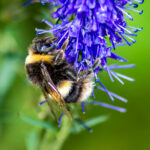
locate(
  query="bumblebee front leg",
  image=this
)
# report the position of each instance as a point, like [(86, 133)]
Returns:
[(85, 74), (89, 72), (59, 58), (71, 75), (96, 64), (65, 44), (60, 53)]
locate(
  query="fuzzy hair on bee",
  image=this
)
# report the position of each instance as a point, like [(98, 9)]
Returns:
[(48, 68)]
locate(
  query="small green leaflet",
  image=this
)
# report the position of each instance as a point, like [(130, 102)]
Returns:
[(90, 122), (42, 124)]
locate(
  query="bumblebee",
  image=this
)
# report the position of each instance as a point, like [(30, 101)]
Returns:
[(48, 68)]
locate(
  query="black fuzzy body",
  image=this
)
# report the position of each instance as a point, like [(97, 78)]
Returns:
[(57, 74)]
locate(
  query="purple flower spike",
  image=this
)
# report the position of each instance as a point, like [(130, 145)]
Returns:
[(89, 23)]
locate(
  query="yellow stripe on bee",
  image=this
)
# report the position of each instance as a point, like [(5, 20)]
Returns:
[(64, 87), (33, 58)]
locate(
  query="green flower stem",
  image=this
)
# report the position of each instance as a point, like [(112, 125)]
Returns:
[(55, 140)]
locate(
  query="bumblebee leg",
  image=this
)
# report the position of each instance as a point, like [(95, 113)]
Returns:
[(85, 74), (59, 57), (54, 39), (89, 72), (71, 75), (65, 44), (96, 64), (60, 53)]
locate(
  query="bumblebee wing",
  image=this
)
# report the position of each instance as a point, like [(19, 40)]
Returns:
[(53, 91), (49, 104)]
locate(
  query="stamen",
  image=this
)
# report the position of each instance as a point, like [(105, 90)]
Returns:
[(84, 125), (77, 41), (139, 1), (124, 29), (113, 73), (135, 29), (118, 57), (109, 106), (105, 89), (113, 94), (76, 59), (140, 12), (133, 40), (133, 5), (122, 66), (121, 44), (63, 36), (132, 34), (93, 94), (42, 102), (42, 31), (127, 14), (124, 77), (125, 39), (48, 23), (60, 119), (82, 105), (109, 72)]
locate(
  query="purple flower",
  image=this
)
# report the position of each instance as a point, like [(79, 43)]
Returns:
[(92, 25), (95, 28)]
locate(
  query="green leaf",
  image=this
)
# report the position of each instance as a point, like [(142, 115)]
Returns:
[(7, 75), (90, 123), (42, 124)]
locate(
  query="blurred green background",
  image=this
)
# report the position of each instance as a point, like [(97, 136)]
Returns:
[(129, 131)]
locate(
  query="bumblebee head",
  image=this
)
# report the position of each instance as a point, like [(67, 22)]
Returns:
[(43, 46)]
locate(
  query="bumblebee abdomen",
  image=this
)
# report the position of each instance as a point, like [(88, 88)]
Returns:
[(74, 93), (86, 91), (79, 91), (64, 87)]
